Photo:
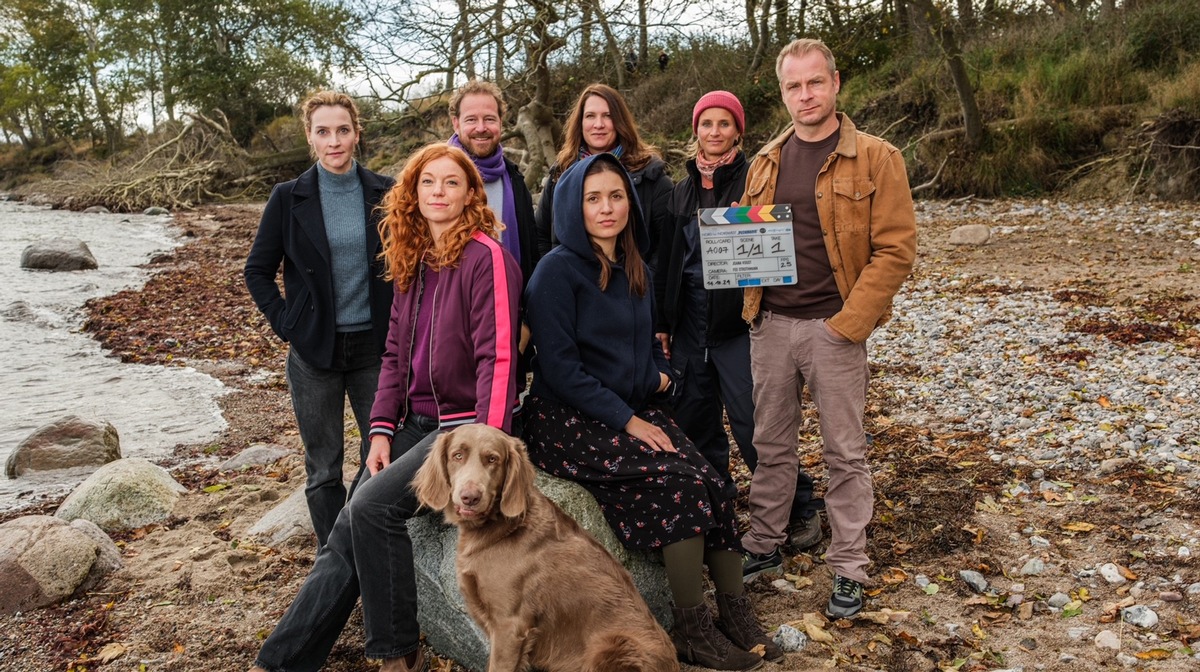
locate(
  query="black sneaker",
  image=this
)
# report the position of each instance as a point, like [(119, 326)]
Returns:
[(761, 563), (847, 599)]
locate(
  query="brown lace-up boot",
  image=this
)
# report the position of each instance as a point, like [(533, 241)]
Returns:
[(699, 642), (738, 622)]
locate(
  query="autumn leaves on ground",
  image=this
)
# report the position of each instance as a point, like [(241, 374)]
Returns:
[(1059, 550)]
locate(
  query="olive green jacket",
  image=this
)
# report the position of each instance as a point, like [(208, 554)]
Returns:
[(867, 220)]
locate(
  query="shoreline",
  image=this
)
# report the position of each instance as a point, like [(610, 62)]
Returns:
[(54, 368)]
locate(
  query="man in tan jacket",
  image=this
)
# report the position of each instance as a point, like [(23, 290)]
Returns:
[(855, 237)]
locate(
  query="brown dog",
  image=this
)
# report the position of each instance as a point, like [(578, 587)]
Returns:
[(546, 593)]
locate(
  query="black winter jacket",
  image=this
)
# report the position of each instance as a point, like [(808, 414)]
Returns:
[(292, 232), (724, 318)]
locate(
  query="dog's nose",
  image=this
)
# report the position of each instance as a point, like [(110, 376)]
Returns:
[(470, 496)]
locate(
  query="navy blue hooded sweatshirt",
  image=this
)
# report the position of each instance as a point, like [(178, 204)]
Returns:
[(595, 350)]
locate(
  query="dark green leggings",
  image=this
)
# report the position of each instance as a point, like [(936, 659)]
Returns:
[(685, 561)]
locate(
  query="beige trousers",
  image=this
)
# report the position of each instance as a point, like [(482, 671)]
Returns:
[(785, 355)]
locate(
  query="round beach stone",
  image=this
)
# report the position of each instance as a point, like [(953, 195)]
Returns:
[(68, 442), (123, 495), (43, 560), (971, 234), (59, 254)]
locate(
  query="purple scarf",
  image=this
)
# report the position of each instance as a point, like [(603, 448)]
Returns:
[(493, 168)]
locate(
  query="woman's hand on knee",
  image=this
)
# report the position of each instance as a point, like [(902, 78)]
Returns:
[(380, 455), (650, 434)]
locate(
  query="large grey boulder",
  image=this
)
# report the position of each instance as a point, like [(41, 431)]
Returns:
[(59, 254), (442, 612), (68, 442), (287, 519), (44, 560), (123, 495)]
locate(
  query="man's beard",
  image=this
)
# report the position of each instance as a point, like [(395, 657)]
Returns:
[(469, 146)]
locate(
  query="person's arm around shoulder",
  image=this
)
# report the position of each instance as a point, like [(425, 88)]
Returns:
[(893, 232), (262, 263)]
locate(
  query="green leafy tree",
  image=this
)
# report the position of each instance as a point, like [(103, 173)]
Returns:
[(250, 59), (41, 67)]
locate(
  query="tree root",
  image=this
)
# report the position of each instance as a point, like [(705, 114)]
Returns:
[(195, 162)]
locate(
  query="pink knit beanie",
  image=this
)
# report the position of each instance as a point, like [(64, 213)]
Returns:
[(722, 99)]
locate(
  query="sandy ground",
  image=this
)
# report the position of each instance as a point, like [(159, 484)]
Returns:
[(197, 594)]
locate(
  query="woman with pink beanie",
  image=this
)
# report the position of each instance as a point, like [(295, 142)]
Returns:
[(702, 331)]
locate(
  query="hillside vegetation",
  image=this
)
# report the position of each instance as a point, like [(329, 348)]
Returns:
[(1084, 103)]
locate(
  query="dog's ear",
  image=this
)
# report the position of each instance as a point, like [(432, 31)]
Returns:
[(432, 482), (518, 480)]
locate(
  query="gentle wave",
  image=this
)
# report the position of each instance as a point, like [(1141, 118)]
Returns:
[(50, 368)]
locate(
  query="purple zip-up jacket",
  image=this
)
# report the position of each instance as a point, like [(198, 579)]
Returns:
[(473, 349)]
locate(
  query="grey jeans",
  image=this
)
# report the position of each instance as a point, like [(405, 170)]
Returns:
[(785, 355), (319, 401), (369, 551)]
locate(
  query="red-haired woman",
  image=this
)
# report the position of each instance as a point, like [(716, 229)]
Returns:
[(601, 122), (450, 360)]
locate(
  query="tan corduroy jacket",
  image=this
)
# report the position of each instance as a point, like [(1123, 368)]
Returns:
[(867, 221)]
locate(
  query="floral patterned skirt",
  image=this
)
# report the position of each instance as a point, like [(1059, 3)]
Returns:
[(649, 498)]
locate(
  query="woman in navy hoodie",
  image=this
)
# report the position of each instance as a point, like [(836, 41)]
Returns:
[(450, 359), (591, 415)]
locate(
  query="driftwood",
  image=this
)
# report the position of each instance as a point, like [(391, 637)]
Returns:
[(933, 181), (200, 161)]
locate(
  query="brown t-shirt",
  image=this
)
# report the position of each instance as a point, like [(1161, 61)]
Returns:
[(815, 294)]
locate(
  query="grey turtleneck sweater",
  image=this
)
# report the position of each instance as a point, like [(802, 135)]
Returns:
[(345, 216)]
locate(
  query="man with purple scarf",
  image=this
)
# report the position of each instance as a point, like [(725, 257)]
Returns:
[(476, 110)]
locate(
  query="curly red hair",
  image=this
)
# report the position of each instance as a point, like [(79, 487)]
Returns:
[(404, 232)]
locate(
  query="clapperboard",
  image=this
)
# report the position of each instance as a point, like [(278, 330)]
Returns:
[(747, 246)]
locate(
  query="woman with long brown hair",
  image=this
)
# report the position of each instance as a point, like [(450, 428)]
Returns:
[(594, 414), (600, 121), (450, 360)]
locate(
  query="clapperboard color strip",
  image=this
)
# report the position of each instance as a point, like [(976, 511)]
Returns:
[(751, 214)]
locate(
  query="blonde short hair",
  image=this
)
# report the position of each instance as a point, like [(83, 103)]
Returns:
[(803, 46), (333, 99)]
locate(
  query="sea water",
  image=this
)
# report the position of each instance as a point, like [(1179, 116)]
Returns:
[(50, 368)]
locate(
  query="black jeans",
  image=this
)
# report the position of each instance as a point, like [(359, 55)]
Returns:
[(369, 551), (712, 378), (319, 401)]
